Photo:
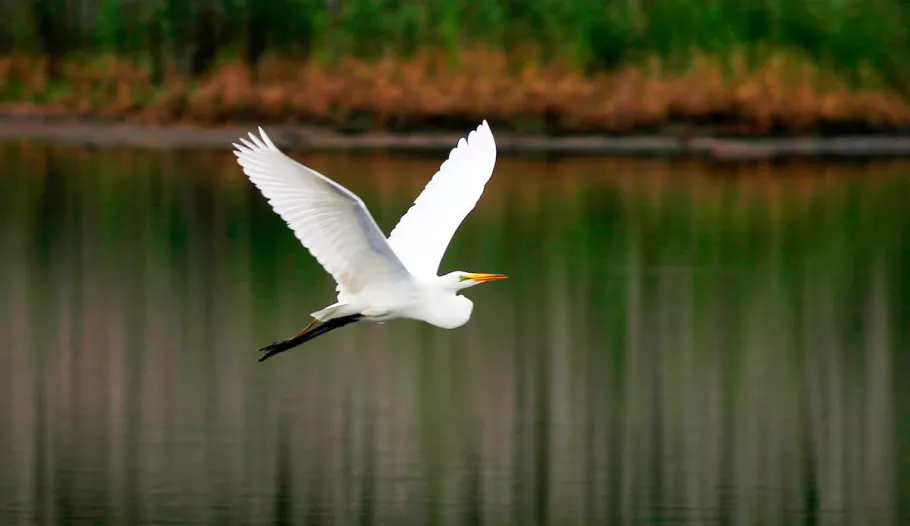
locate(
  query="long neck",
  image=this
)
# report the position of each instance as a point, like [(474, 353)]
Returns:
[(446, 310)]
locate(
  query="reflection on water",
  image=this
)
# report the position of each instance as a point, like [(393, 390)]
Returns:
[(674, 345)]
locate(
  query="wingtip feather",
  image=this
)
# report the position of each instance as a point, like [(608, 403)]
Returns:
[(267, 139), (257, 141), (482, 133)]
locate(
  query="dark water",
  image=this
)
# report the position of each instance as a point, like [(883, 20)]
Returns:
[(677, 344)]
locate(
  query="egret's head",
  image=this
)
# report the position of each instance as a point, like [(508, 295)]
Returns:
[(461, 280)]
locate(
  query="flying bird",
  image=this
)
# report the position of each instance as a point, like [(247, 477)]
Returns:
[(378, 278)]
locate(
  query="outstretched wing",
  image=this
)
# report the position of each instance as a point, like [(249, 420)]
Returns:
[(330, 221), (422, 235)]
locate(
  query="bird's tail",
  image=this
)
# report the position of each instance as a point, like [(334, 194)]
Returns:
[(336, 310)]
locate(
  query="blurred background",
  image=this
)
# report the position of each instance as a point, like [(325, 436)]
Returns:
[(554, 66), (682, 340)]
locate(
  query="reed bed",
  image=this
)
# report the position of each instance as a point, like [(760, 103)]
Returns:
[(549, 66), (785, 94)]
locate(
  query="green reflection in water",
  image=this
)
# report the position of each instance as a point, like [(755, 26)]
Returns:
[(676, 343)]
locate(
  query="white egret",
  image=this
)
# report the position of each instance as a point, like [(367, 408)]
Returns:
[(378, 279)]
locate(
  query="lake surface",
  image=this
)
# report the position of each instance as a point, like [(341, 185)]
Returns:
[(678, 343)]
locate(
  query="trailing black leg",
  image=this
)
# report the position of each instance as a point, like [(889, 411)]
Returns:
[(305, 336)]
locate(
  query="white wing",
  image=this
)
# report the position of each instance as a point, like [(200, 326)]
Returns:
[(330, 221), (423, 233)]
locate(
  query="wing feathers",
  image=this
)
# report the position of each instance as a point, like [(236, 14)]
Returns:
[(330, 221), (422, 235)]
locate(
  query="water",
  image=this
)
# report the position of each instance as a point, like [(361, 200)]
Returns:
[(678, 343)]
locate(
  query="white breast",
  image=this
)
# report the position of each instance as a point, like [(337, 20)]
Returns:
[(443, 309)]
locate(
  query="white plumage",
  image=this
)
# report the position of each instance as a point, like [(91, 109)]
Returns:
[(377, 278), (422, 235)]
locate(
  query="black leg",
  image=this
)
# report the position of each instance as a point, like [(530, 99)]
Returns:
[(305, 336)]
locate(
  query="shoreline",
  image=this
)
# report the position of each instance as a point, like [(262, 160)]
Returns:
[(97, 134), (718, 107)]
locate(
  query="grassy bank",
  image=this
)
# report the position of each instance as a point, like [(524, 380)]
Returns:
[(783, 95), (555, 66)]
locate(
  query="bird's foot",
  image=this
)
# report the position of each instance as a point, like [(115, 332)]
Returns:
[(274, 345), (283, 345), (274, 348)]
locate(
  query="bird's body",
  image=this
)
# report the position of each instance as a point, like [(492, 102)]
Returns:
[(425, 300), (378, 279)]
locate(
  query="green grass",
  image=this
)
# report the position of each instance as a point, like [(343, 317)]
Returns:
[(863, 39)]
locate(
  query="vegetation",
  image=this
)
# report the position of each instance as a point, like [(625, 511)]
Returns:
[(565, 65)]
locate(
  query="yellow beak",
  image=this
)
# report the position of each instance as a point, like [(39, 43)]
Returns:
[(481, 278)]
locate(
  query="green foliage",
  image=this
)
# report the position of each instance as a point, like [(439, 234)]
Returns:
[(852, 36)]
